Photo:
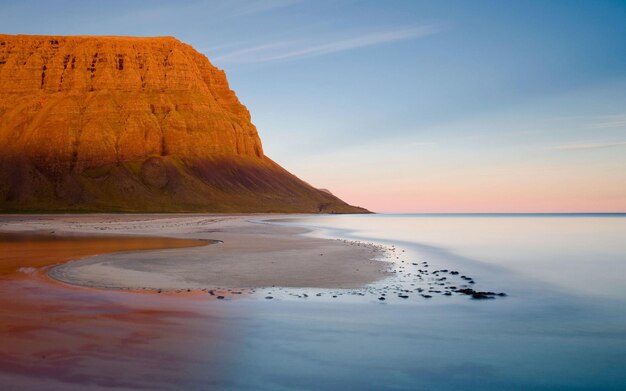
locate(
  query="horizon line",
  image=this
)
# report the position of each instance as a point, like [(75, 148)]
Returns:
[(503, 213)]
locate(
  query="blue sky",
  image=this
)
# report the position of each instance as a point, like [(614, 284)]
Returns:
[(409, 105)]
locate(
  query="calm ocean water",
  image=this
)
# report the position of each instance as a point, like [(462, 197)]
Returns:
[(561, 327)]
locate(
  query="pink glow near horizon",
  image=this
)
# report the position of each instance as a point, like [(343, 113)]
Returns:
[(508, 188), (483, 200), (452, 204)]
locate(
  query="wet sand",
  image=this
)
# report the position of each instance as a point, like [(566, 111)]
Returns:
[(24, 253), (249, 255)]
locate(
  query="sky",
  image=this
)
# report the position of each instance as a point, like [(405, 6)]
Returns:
[(408, 106)]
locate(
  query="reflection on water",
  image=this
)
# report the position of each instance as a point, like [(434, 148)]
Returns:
[(68, 337), (25, 250)]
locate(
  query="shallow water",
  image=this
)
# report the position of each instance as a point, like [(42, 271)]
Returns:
[(562, 325), (581, 253)]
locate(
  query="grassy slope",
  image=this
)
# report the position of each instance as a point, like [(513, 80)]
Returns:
[(167, 184)]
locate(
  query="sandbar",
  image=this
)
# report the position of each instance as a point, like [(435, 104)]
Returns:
[(240, 252)]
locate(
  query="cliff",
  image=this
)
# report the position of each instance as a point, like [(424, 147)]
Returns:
[(132, 124)]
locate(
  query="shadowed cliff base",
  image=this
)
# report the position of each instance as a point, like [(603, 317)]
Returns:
[(164, 184), (133, 124)]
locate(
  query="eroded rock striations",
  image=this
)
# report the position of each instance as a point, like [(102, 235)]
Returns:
[(132, 124)]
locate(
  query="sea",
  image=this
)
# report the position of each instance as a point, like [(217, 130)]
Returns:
[(560, 323)]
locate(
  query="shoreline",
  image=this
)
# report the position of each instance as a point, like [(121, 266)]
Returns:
[(245, 255)]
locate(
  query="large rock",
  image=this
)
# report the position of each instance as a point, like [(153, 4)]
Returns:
[(132, 124)]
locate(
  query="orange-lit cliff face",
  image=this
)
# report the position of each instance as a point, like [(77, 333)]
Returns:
[(138, 124)]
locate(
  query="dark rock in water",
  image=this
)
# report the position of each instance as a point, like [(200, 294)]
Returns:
[(502, 294), (477, 294), (481, 295), (381, 298), (220, 297), (403, 296), (426, 296), (454, 272), (448, 294), (269, 297)]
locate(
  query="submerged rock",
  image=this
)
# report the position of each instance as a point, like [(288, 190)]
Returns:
[(479, 294)]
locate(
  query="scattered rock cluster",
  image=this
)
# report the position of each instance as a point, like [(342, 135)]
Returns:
[(408, 279)]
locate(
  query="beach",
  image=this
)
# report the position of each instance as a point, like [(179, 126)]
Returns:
[(239, 252), (562, 315)]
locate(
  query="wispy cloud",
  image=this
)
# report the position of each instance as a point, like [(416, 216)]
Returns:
[(296, 49), (256, 6), (590, 122), (252, 51), (583, 146), (610, 121)]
